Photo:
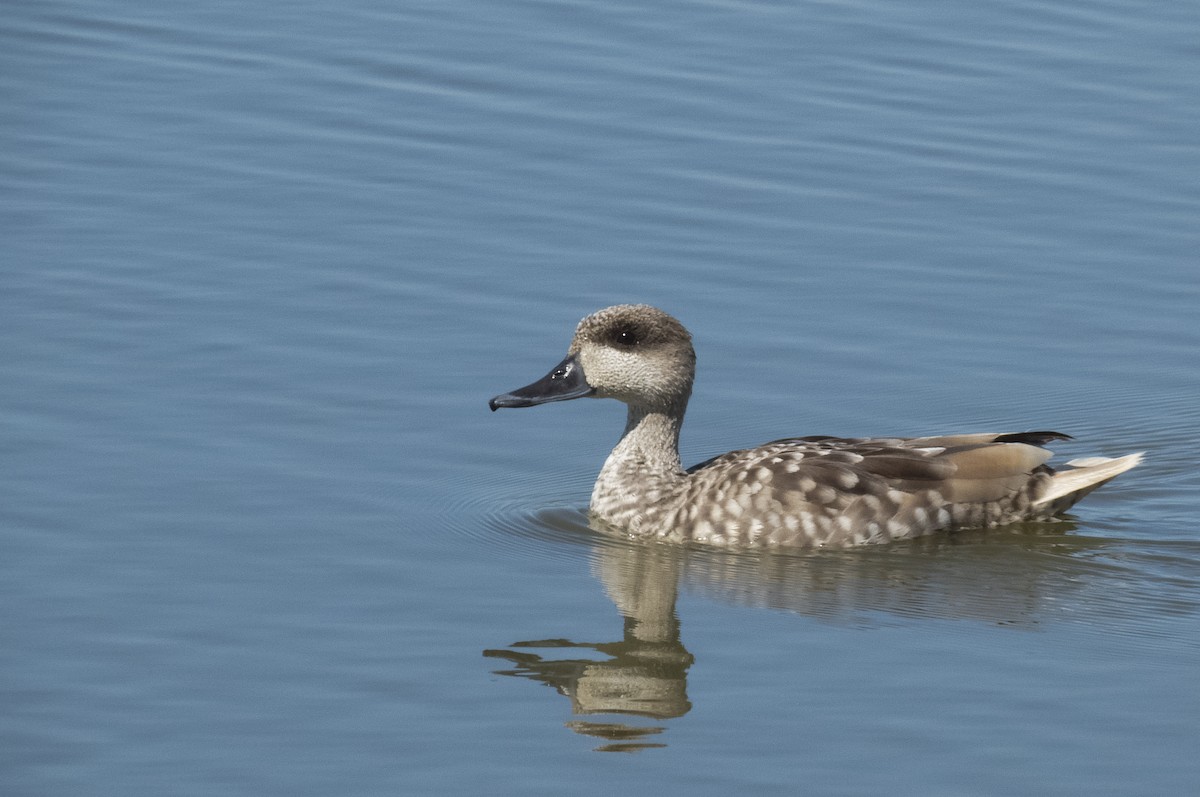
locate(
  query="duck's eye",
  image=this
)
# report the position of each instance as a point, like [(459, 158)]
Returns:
[(626, 338)]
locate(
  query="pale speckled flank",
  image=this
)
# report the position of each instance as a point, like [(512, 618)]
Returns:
[(796, 492)]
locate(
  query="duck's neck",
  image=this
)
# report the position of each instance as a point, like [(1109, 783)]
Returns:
[(641, 477), (651, 439)]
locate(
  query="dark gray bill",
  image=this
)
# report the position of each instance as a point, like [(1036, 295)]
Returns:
[(566, 381)]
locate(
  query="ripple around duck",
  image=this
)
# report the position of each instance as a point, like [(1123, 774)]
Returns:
[(548, 524), (1151, 584)]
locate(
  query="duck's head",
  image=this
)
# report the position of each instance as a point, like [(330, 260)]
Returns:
[(631, 352)]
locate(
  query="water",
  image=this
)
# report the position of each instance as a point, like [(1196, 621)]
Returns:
[(262, 266)]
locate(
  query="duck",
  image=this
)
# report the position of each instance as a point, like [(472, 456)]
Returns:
[(817, 491)]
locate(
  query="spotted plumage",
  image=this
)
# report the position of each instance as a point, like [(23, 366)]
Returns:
[(796, 492)]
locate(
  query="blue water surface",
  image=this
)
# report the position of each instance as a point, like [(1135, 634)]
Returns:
[(262, 265)]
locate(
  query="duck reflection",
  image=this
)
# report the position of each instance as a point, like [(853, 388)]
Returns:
[(645, 674), (999, 576)]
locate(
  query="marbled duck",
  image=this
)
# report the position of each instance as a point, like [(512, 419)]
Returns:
[(801, 491)]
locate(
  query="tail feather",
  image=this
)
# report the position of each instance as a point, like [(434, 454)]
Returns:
[(1084, 475)]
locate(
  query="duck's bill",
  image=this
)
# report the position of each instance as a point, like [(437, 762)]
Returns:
[(565, 382)]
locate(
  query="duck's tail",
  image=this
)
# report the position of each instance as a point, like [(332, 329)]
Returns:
[(1082, 476)]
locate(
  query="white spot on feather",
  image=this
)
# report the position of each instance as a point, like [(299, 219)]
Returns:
[(824, 494), (756, 529)]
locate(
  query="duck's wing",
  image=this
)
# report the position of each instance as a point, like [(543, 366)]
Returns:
[(969, 468), (972, 468), (937, 441), (953, 440)]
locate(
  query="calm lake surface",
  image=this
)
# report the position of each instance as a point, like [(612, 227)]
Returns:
[(262, 265)]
